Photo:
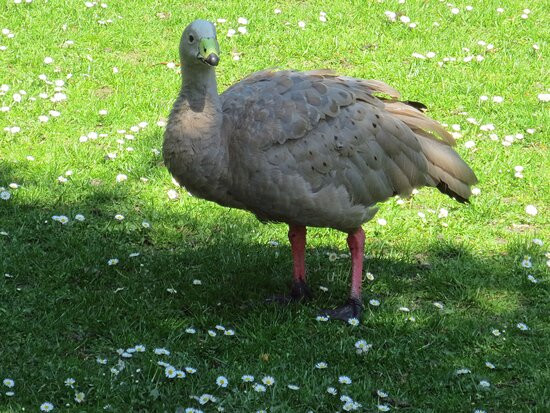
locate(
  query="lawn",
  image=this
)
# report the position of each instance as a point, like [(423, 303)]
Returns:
[(121, 292)]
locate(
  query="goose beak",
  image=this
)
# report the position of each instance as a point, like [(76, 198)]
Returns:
[(209, 51)]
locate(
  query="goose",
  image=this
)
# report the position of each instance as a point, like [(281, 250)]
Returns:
[(309, 149)]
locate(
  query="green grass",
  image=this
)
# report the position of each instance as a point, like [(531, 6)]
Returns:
[(62, 306)]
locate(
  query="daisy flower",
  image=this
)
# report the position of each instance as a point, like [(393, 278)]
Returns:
[(362, 346), (8, 383), (247, 378), (332, 390), (70, 382), (162, 351), (259, 388), (79, 397), (222, 381), (382, 394), (170, 372), (46, 407), (526, 263), (268, 381), (293, 387), (522, 326), (531, 210), (353, 322), (205, 398), (344, 380)]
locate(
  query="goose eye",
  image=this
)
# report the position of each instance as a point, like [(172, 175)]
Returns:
[(191, 38)]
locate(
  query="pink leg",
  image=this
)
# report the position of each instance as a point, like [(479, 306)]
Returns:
[(354, 305), (297, 238), (356, 243)]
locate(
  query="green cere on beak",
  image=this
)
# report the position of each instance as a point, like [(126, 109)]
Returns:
[(209, 51)]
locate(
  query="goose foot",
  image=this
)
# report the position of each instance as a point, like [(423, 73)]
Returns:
[(299, 291), (352, 309)]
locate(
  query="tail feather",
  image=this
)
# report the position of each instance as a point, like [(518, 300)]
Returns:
[(446, 170)]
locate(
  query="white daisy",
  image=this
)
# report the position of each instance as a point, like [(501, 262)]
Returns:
[(259, 388), (268, 381), (8, 383), (522, 326), (222, 381), (531, 210), (344, 380), (46, 407), (79, 397), (170, 372)]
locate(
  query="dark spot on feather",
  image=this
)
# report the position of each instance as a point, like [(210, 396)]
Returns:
[(324, 164), (312, 168), (375, 158), (311, 153), (377, 116), (374, 125), (335, 137), (355, 136)]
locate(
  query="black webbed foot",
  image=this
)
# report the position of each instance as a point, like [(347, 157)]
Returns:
[(352, 309), (299, 291)]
